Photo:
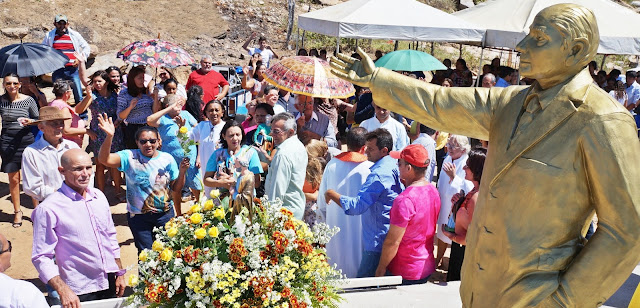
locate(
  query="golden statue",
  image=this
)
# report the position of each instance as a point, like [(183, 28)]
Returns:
[(245, 185), (559, 151)]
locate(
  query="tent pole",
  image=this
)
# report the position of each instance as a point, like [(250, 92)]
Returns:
[(432, 48), (356, 44), (337, 44), (478, 81), (460, 57), (395, 47), (602, 63)]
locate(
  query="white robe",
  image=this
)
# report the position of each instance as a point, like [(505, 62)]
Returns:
[(345, 248), (448, 188)]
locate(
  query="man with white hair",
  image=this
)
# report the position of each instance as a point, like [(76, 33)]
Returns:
[(289, 165), (209, 79), (451, 181), (488, 81)]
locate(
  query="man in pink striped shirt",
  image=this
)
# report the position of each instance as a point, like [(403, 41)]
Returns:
[(75, 225)]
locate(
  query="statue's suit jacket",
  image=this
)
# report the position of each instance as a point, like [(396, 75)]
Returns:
[(539, 188)]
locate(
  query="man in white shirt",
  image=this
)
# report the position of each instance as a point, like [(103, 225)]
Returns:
[(16, 293), (264, 49), (382, 119), (40, 160), (346, 174), (633, 89), (288, 166), (427, 138)]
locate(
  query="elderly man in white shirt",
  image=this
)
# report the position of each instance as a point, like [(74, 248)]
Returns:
[(382, 119), (40, 160), (16, 293), (451, 181), (288, 166)]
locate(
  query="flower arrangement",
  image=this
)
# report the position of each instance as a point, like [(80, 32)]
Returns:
[(206, 259), (185, 142)]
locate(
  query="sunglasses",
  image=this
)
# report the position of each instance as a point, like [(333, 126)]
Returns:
[(144, 141), (8, 249)]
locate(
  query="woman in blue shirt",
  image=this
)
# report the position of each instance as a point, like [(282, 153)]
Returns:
[(168, 121), (221, 172)]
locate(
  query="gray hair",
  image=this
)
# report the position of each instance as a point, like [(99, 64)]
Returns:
[(170, 100), (491, 77), (206, 57), (60, 87), (462, 141), (289, 121)]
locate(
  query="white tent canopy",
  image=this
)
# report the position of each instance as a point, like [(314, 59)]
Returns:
[(407, 20), (507, 22)]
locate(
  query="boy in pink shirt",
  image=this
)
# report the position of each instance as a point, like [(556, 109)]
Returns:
[(408, 248)]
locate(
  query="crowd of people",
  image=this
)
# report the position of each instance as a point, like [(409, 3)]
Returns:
[(380, 191)]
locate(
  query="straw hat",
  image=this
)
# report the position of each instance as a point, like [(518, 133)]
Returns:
[(50, 113)]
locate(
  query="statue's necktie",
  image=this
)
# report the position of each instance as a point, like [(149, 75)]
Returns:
[(533, 108)]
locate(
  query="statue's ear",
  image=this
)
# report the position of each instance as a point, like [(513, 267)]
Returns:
[(579, 49)]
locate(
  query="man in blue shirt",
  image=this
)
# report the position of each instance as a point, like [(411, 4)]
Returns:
[(633, 89), (374, 199)]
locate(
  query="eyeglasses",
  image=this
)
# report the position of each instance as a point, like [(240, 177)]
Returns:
[(144, 141), (8, 249), (277, 131)]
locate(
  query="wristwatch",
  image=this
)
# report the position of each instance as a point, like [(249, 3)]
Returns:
[(121, 272)]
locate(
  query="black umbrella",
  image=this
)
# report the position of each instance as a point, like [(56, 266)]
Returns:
[(30, 59)]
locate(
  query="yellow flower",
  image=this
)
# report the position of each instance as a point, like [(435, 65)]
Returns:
[(213, 232), (219, 213), (172, 232), (157, 246), (166, 255), (215, 193), (143, 255), (133, 280), (168, 225), (184, 130), (208, 205), (195, 208), (196, 218), (200, 233)]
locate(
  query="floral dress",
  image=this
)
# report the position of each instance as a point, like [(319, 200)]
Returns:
[(106, 105)]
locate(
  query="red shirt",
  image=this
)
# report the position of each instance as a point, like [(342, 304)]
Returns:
[(64, 44), (208, 82)]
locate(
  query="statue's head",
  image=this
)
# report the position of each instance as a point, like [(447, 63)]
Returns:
[(562, 40)]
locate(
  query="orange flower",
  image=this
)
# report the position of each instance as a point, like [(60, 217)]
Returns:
[(286, 212)]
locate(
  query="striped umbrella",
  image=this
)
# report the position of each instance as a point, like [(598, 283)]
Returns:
[(155, 53), (308, 76), (30, 59)]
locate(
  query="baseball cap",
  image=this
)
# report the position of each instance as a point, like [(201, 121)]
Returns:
[(61, 17), (414, 154)]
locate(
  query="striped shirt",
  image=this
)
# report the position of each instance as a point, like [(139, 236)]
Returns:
[(11, 111), (63, 43)]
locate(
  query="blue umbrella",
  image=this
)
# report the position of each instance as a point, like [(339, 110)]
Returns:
[(410, 60), (30, 59)]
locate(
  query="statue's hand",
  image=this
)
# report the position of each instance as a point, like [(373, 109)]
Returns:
[(353, 70)]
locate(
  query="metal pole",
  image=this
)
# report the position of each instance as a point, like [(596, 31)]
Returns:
[(478, 81), (460, 57), (432, 48), (338, 44), (395, 47)]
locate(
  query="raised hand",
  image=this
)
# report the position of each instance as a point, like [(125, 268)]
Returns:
[(106, 124), (180, 120), (356, 71)]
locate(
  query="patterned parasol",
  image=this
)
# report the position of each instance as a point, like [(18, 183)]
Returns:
[(308, 76), (155, 53)]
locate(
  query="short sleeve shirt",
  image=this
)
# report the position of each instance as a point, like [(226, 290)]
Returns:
[(266, 54), (221, 158), (148, 181), (416, 209)]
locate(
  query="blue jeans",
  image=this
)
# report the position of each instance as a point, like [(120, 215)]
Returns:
[(71, 73), (142, 225), (368, 264)]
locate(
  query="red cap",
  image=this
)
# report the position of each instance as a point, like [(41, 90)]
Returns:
[(414, 154)]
